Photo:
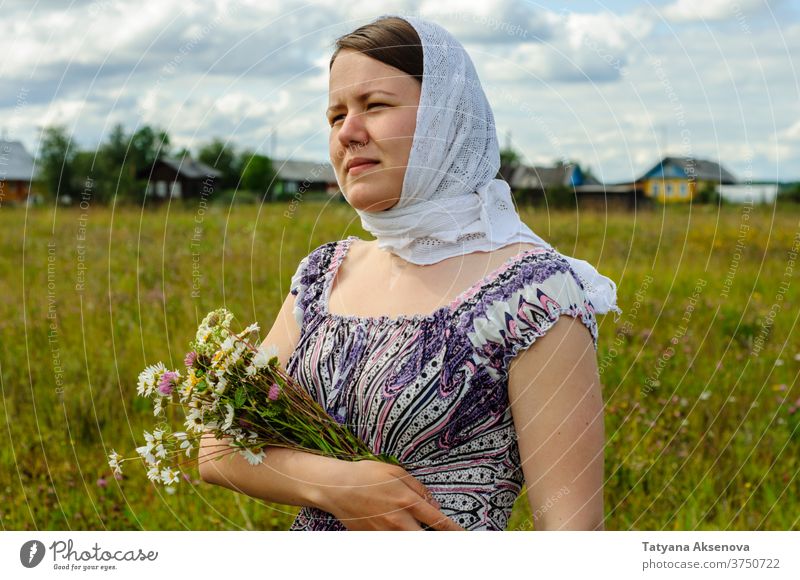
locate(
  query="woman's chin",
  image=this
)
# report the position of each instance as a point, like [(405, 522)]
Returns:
[(366, 199)]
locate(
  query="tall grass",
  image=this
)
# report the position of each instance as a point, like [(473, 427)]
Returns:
[(699, 373)]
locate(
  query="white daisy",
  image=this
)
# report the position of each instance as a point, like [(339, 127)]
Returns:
[(253, 458), (153, 474), (187, 445), (249, 330), (169, 475), (148, 378), (157, 406), (228, 417), (194, 421), (222, 384), (261, 358), (146, 451), (113, 462)]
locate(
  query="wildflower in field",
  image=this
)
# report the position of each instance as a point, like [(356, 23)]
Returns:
[(228, 389), (222, 384), (113, 461), (705, 395), (190, 359), (154, 473), (101, 482), (148, 378), (168, 382), (228, 417), (253, 458), (778, 362), (274, 391), (169, 476)]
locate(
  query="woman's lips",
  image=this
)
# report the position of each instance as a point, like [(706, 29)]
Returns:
[(356, 169)]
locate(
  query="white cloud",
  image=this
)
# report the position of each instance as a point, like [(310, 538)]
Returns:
[(691, 10), (240, 68)]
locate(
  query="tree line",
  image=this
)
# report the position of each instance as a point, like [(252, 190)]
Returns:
[(113, 167)]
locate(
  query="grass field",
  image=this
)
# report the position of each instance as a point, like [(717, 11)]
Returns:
[(699, 372)]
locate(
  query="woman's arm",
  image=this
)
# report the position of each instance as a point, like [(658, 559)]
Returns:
[(286, 476), (556, 401), (364, 495)]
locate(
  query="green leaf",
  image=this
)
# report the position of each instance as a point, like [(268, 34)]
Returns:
[(240, 397)]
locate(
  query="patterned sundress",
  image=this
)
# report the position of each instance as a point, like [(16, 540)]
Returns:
[(432, 390)]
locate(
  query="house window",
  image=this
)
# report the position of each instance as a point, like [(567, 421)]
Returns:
[(175, 190), (161, 188), (684, 190), (291, 187), (655, 188), (669, 189)]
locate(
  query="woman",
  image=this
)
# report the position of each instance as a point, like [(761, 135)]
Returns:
[(419, 340)]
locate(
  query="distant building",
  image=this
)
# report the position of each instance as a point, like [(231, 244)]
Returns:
[(678, 179), (295, 176), (179, 177), (531, 184), (17, 172)]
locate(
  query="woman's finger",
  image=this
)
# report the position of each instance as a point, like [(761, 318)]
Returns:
[(418, 488), (435, 519)]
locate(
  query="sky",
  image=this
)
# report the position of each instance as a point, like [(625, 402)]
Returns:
[(615, 86)]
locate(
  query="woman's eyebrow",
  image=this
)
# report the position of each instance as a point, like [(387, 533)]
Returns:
[(361, 97)]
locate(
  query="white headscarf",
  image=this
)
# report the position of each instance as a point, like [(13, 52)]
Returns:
[(451, 204)]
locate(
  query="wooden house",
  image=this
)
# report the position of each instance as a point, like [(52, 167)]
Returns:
[(179, 177), (542, 185), (678, 179), (296, 176), (17, 172)]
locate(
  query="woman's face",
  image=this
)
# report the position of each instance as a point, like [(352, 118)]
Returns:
[(372, 114)]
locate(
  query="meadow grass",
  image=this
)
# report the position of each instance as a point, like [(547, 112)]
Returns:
[(699, 372)]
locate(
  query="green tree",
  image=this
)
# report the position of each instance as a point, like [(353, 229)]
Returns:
[(560, 197), (221, 156), (146, 145), (707, 193), (509, 156), (57, 159), (790, 193), (116, 169), (183, 152), (257, 174)]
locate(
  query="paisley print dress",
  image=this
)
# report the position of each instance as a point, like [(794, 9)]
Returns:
[(432, 389)]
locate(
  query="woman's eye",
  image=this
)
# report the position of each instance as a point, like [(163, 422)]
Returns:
[(337, 117)]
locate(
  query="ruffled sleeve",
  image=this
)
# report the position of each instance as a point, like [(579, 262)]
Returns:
[(532, 302), (305, 281)]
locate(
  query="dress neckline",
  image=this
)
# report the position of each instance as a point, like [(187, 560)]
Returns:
[(340, 251)]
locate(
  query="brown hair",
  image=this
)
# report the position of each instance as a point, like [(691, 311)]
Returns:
[(392, 41)]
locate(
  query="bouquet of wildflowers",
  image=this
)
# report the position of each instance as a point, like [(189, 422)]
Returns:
[(238, 392)]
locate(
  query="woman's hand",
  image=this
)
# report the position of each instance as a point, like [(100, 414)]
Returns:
[(372, 495)]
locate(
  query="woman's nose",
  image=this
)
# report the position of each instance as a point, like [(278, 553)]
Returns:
[(353, 130)]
